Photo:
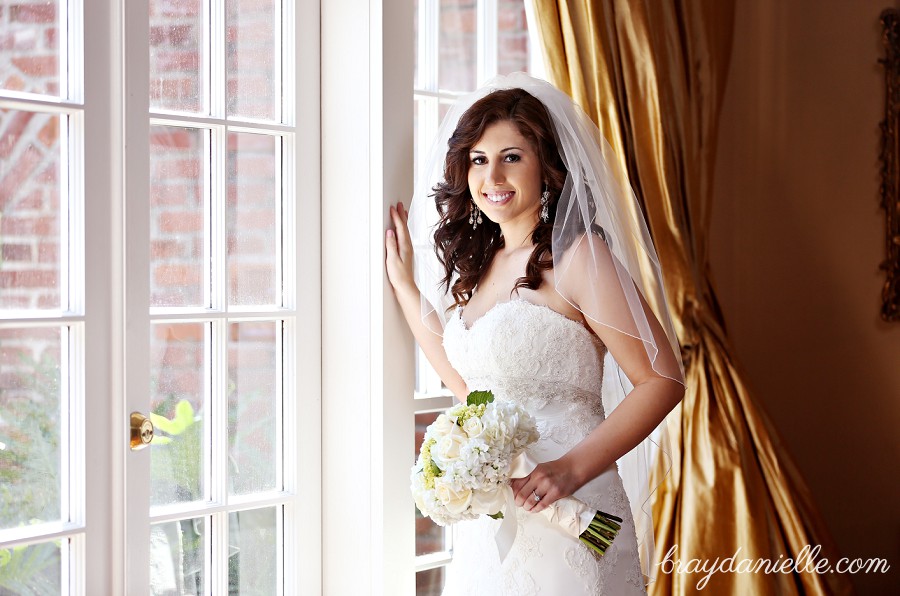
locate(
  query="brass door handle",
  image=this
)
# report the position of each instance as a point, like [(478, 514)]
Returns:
[(141, 431)]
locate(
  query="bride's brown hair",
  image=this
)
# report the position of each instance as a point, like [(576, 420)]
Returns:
[(467, 252)]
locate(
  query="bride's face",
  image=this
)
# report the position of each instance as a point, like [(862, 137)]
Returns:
[(505, 175)]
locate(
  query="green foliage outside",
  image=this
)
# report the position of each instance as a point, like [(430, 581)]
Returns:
[(29, 472)]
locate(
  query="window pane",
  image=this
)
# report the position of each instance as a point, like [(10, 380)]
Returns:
[(30, 210), (176, 55), (177, 386), (253, 213), (29, 46), (177, 553), (177, 216), (30, 421), (254, 68), (512, 37), (429, 535), (458, 45), (252, 406), (430, 583), (31, 569), (253, 548)]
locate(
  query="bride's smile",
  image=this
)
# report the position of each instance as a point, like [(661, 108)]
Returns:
[(499, 198)]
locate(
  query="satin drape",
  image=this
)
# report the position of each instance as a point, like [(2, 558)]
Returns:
[(652, 75)]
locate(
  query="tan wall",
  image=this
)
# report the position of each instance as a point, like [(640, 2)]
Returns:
[(797, 238)]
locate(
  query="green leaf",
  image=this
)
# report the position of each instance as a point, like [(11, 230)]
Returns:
[(435, 470), (476, 398), (498, 515), (183, 419), (161, 423)]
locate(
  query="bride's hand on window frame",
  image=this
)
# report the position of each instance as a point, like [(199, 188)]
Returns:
[(398, 246)]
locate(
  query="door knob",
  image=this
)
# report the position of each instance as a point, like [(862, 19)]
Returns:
[(141, 431)]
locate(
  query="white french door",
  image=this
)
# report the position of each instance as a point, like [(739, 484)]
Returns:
[(150, 229)]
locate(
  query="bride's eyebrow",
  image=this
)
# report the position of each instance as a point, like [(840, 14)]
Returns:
[(501, 151)]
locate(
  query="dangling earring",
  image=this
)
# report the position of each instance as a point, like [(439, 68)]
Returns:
[(474, 215), (545, 202)]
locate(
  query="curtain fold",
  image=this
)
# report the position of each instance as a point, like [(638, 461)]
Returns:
[(652, 73)]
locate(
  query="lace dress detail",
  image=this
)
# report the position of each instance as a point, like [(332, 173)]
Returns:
[(553, 366)]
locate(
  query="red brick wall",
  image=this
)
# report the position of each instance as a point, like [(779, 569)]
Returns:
[(28, 46), (29, 210), (457, 46)]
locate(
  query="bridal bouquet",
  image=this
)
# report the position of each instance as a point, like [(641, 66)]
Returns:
[(467, 458), (464, 463)]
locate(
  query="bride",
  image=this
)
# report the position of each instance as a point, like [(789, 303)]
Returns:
[(524, 267)]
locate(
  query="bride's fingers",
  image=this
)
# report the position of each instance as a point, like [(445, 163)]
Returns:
[(525, 494), (517, 483), (399, 253), (401, 223)]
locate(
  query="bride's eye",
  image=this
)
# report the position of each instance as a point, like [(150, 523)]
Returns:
[(479, 160), (511, 157)]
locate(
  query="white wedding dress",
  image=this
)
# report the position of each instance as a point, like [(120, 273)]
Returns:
[(553, 366)]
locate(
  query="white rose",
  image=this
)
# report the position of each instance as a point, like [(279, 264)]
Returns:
[(443, 425), (473, 427), (456, 501), (447, 448)]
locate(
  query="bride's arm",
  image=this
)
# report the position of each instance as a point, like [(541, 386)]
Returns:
[(399, 263), (652, 398)]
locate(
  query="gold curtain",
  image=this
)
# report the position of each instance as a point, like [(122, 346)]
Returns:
[(652, 74)]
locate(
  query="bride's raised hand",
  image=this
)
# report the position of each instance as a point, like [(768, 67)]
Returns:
[(399, 260)]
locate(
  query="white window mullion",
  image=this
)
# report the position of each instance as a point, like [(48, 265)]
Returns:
[(73, 565), (73, 227), (278, 58), (487, 41), (290, 197), (135, 333), (73, 410), (280, 457), (303, 257), (217, 534), (281, 530), (216, 55), (218, 412), (279, 220), (429, 35), (289, 76), (217, 205), (217, 548)]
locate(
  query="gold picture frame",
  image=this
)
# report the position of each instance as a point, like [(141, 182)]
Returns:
[(890, 164)]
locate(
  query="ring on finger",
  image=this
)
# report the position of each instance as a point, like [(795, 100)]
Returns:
[(537, 497)]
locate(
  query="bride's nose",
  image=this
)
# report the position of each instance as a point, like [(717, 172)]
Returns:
[(494, 174)]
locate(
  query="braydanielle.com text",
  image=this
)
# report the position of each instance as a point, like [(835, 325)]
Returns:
[(807, 561)]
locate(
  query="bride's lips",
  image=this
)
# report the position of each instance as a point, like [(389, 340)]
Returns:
[(498, 198)]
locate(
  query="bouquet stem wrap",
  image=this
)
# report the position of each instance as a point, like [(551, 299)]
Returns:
[(595, 529)]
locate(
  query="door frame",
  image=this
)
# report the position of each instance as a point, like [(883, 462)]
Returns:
[(117, 480)]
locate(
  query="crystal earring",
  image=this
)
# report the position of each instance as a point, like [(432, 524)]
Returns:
[(474, 215), (545, 202)]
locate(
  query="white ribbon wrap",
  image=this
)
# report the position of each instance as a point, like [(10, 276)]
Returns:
[(570, 514)]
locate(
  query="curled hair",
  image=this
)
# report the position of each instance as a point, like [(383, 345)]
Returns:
[(467, 252)]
